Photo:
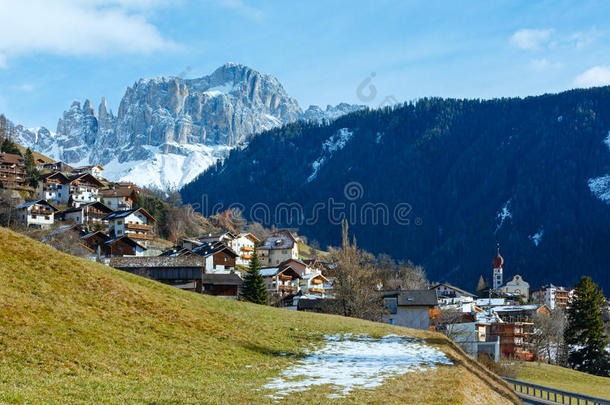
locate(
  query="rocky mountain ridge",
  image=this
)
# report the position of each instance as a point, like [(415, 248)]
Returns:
[(168, 130)]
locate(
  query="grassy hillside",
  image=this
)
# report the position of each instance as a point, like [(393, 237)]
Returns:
[(36, 154), (72, 331), (565, 379)]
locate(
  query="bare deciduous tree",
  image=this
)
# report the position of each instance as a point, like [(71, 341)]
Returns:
[(355, 281), (547, 339), (404, 275)]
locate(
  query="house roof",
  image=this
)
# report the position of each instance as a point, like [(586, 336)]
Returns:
[(125, 239), (91, 234), (222, 279), (30, 203), (250, 236), (314, 275), (61, 177), (210, 248), (126, 213), (177, 251), (458, 289), (217, 237), (11, 158), (282, 239), (516, 308), (274, 271), (413, 298), (269, 271), (157, 262), (88, 167), (96, 204), (85, 177), (118, 192)]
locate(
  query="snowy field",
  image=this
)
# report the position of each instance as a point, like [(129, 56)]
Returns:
[(350, 362)]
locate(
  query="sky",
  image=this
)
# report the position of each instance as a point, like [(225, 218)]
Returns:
[(323, 52)]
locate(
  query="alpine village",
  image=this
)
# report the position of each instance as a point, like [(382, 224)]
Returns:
[(143, 232)]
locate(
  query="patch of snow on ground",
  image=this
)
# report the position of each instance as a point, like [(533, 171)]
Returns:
[(537, 237), (503, 215), (600, 186), (350, 362)]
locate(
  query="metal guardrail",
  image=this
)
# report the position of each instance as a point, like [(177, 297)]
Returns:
[(554, 395)]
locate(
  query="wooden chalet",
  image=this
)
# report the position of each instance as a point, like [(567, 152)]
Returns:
[(37, 214), (120, 198), (12, 172), (137, 223), (100, 243), (282, 281), (84, 188), (53, 187), (179, 271), (89, 215), (219, 258), (222, 285)]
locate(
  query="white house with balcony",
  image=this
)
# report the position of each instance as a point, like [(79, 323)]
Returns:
[(84, 188), (38, 214), (243, 245), (281, 281), (138, 224), (53, 187)]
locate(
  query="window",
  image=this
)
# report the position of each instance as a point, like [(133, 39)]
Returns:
[(284, 252)]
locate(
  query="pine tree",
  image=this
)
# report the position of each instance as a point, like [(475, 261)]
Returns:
[(585, 332), (9, 146), (482, 288), (30, 168), (254, 289)]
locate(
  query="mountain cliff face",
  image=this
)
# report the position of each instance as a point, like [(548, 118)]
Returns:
[(167, 130), (440, 182)]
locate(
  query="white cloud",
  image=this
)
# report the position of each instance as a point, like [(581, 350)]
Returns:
[(544, 64), (596, 76), (78, 27), (531, 39)]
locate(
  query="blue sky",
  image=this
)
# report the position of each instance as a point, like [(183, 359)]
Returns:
[(55, 51)]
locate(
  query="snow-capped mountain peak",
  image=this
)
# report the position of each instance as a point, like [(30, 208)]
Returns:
[(168, 130)]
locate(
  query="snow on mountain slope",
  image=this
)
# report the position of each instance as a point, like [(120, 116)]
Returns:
[(600, 186), (168, 130)]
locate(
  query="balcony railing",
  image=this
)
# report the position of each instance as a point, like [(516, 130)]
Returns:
[(41, 212), (247, 249), (139, 227), (142, 236), (316, 290), (287, 288)]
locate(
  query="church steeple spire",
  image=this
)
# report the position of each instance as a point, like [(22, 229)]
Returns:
[(498, 261)]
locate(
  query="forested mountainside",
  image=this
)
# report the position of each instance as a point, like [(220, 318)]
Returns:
[(456, 176)]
